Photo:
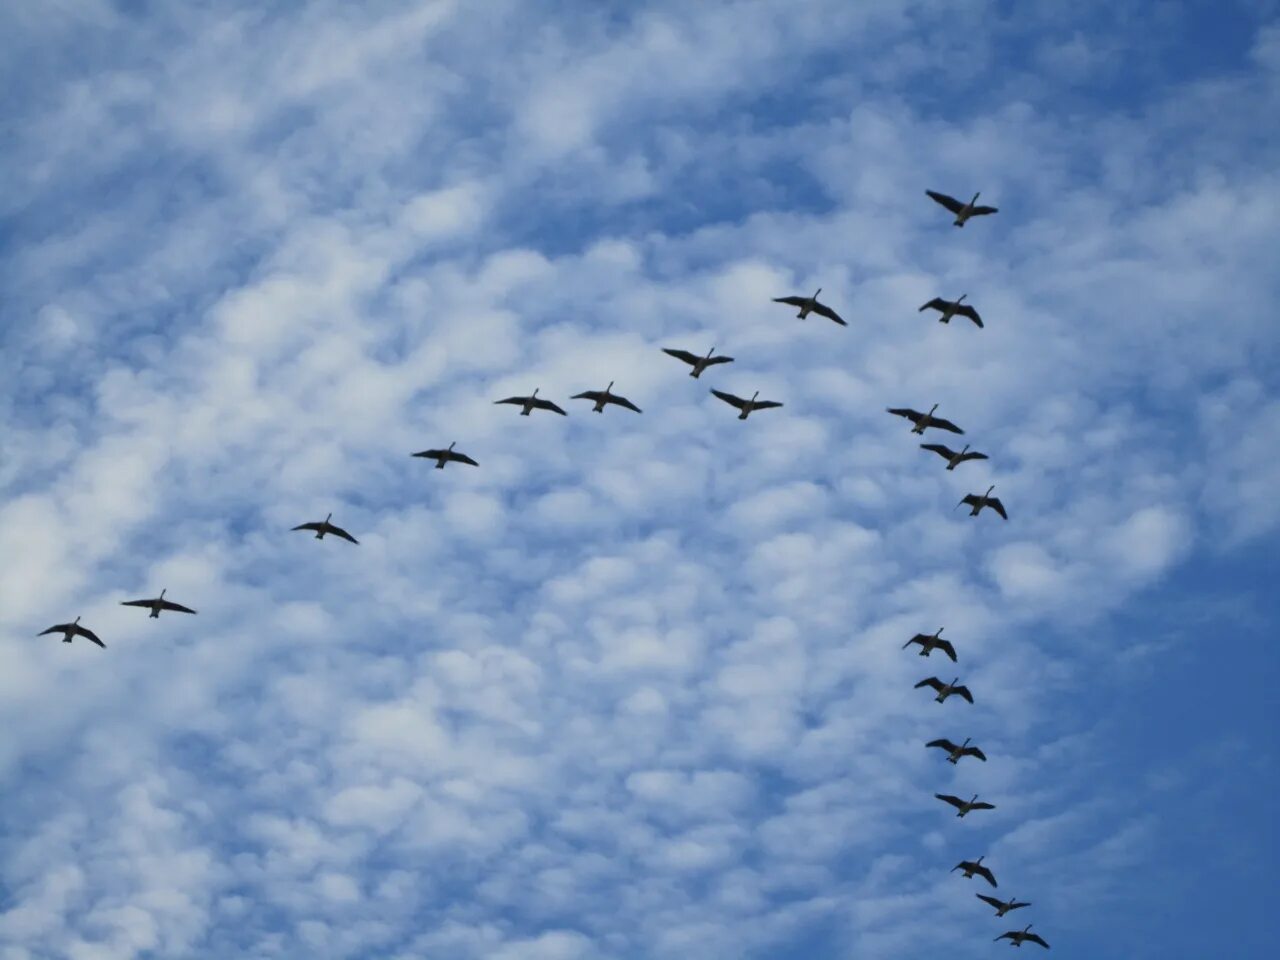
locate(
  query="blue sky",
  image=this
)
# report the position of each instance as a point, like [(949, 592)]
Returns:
[(634, 687)]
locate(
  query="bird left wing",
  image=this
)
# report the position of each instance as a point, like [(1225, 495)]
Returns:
[(912, 415), (937, 303), (947, 798), (794, 301), (430, 454), (991, 900), (944, 743), (518, 401), (592, 395), (313, 525), (944, 425), (729, 398), (684, 355), (825, 311), (1015, 905), (56, 628), (933, 682), (951, 203), (135, 603), (942, 451)]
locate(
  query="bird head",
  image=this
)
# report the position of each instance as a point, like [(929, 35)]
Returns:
[(975, 199), (966, 449), (609, 387), (938, 634), (933, 408), (451, 445), (162, 594), (962, 296), (989, 489), (75, 621), (815, 294), (327, 517), (754, 395), (966, 742), (710, 352), (535, 392)]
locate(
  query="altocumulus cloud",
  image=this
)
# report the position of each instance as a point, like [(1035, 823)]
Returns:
[(634, 686)]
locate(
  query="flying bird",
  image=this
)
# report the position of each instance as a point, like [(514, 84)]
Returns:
[(929, 643), (953, 458), (531, 402), (698, 363), (975, 867), (602, 397), (952, 308), (324, 526), (965, 806), (945, 689), (1002, 906), (954, 752), (810, 305), (923, 421), (441, 457), (1017, 938), (963, 211), (746, 406), (978, 501), (156, 605), (73, 629)]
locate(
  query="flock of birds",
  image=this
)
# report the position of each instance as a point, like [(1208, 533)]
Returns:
[(700, 364)]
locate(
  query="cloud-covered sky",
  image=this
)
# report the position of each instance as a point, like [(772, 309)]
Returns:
[(634, 688)]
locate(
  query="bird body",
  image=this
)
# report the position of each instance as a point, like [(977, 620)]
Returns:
[(156, 605), (810, 305), (73, 629), (973, 868), (1017, 938), (447, 455), (603, 397), (954, 458), (699, 364), (955, 752), (321, 527), (923, 421), (930, 642), (1002, 906), (978, 501), (951, 308), (963, 211), (945, 690), (532, 402), (746, 406), (964, 807)]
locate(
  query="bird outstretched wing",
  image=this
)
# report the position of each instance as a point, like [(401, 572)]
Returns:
[(933, 682), (944, 743), (87, 634), (985, 874), (1015, 905), (1036, 938), (951, 203), (945, 452), (944, 425), (982, 805), (983, 211), (991, 900), (946, 647), (975, 752), (937, 303), (56, 628), (912, 415), (518, 401), (794, 301), (995, 504), (730, 399), (592, 395), (972, 499), (462, 458), (968, 311), (948, 798), (972, 455), (765, 404), (136, 603), (684, 355), (175, 607), (548, 405), (316, 525), (963, 692), (714, 360), (823, 310), (624, 402), (339, 532)]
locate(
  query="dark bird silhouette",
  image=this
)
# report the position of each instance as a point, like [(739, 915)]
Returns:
[(952, 308), (441, 457), (965, 806), (978, 501), (973, 868), (929, 643), (1017, 938), (746, 406), (963, 211), (923, 421), (602, 397), (945, 689), (156, 605), (955, 752), (953, 458), (324, 526), (1002, 906), (810, 305), (73, 629), (532, 402), (698, 363)]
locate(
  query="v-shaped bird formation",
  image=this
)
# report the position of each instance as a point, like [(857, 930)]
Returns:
[(699, 364)]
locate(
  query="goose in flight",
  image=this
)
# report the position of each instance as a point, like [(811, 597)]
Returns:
[(698, 363), (602, 397), (978, 501), (972, 867), (946, 689), (953, 458), (156, 605), (529, 403), (746, 406), (1002, 906), (929, 643), (963, 211), (810, 305), (73, 629), (965, 806), (923, 421), (954, 752), (324, 526), (441, 457), (1017, 938), (952, 308)]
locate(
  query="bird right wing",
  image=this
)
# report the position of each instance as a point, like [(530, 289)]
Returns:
[(730, 399), (825, 311), (548, 405), (463, 458), (975, 752), (587, 395), (995, 504), (951, 203), (983, 211), (765, 404), (339, 532), (684, 355), (946, 647), (712, 360), (1036, 938), (974, 456), (175, 607), (963, 692), (89, 635), (944, 425), (986, 875)]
